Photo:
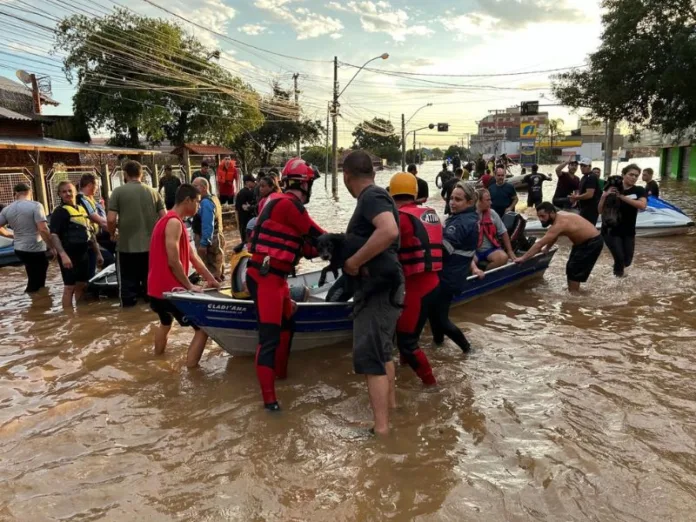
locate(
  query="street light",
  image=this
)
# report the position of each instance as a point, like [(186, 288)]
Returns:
[(403, 134), (334, 117), (431, 126)]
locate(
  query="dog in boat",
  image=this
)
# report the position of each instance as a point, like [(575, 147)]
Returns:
[(612, 203), (375, 276)]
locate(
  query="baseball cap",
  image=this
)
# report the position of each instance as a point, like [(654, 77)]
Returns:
[(585, 161)]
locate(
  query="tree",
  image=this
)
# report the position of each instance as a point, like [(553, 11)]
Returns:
[(644, 70), (256, 148), (437, 154), (139, 76), (378, 137), (453, 150)]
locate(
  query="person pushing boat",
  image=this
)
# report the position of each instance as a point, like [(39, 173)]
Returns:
[(586, 239), (283, 233)]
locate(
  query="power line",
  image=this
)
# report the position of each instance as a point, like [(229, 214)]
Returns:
[(490, 75)]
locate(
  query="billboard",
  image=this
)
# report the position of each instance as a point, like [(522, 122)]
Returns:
[(527, 153), (528, 131)]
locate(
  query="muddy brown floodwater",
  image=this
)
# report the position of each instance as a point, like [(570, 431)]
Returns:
[(569, 408)]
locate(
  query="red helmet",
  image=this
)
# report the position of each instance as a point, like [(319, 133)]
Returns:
[(297, 168)]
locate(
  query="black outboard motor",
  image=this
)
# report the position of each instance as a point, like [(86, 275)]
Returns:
[(516, 225)]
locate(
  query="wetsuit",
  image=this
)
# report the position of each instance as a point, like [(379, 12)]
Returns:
[(420, 255), (278, 241)]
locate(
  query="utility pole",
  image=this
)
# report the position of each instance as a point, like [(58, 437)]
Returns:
[(414, 147), (334, 121), (326, 147), (297, 106), (403, 143), (609, 146), (495, 119)]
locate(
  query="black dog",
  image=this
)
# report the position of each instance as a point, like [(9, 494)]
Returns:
[(610, 212), (375, 276)]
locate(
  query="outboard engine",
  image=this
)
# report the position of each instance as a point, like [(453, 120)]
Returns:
[(516, 225)]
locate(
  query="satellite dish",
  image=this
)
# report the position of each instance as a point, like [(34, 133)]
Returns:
[(23, 76)]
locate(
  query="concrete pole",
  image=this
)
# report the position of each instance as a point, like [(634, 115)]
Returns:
[(334, 122), (403, 143), (609, 147), (105, 181), (297, 105), (326, 146), (187, 165)]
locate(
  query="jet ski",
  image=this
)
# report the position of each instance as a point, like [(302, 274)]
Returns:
[(7, 253), (659, 219)]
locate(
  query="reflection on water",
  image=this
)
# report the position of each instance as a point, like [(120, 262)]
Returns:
[(575, 408)]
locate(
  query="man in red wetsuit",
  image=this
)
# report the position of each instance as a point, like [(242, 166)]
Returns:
[(283, 233), (420, 254), (170, 255)]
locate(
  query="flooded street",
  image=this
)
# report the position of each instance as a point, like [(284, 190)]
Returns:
[(568, 408)]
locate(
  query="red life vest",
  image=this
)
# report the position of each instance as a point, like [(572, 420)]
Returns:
[(273, 236), (422, 251), (488, 229), (160, 277)]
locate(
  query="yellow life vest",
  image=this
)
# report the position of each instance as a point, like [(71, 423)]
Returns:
[(80, 229), (93, 202), (238, 265)]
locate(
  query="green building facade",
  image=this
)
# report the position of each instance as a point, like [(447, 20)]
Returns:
[(679, 162)]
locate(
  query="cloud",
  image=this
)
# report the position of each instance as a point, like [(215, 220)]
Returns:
[(252, 29), (213, 14), (304, 22), (495, 15), (381, 17)]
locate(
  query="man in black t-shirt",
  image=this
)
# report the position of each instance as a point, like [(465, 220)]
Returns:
[(169, 183), (621, 239), (651, 186), (535, 184), (448, 188), (588, 193), (244, 203), (375, 220), (423, 190), (567, 183)]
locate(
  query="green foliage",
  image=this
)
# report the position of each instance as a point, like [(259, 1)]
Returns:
[(139, 76), (453, 150), (378, 137), (644, 70), (317, 157), (254, 149), (437, 154)]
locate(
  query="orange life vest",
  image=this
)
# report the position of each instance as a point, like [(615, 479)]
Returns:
[(488, 229), (227, 175), (421, 252)]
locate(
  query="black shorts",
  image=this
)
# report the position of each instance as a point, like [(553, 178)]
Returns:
[(79, 273), (226, 200), (167, 312), (374, 329), (583, 258)]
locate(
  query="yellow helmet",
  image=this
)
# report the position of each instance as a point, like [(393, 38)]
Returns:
[(403, 184)]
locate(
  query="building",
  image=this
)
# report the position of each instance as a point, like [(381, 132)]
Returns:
[(504, 126), (679, 160), (29, 155)]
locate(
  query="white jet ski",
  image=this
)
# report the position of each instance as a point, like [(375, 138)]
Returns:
[(660, 219)]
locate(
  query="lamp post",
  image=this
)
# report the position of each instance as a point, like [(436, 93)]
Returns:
[(334, 118), (431, 126), (403, 134)]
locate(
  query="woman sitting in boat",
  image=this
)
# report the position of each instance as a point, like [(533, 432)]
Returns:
[(460, 240)]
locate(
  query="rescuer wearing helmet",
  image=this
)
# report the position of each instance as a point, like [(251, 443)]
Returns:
[(420, 255), (283, 233)]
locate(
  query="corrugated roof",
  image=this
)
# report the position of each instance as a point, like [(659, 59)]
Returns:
[(204, 150), (10, 85), (12, 115), (51, 145)]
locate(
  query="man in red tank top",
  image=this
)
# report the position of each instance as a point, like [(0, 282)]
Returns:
[(170, 256)]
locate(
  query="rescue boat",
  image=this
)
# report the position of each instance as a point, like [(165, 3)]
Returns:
[(232, 322)]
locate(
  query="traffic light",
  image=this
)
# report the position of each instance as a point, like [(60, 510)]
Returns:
[(530, 108), (442, 127)]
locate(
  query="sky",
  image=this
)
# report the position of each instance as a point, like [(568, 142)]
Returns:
[(436, 42)]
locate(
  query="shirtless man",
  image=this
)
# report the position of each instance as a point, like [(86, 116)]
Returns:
[(586, 239)]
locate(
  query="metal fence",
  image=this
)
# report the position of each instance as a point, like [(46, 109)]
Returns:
[(118, 178), (65, 173), (9, 177)]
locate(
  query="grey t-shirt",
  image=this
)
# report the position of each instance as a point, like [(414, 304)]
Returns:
[(500, 228), (22, 216)]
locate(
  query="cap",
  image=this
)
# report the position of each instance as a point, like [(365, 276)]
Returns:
[(585, 161)]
